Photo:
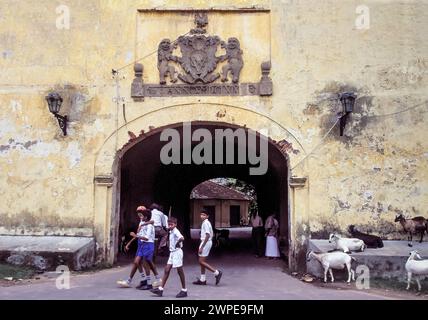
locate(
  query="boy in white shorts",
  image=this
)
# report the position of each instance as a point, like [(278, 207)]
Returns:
[(204, 251), (175, 259)]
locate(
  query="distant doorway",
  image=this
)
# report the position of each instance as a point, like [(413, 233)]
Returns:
[(235, 216)]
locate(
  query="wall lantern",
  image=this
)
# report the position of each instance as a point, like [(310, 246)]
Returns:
[(348, 100), (54, 103)]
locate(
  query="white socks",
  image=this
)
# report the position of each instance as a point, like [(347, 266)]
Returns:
[(216, 273), (149, 280), (160, 288), (184, 290), (203, 278)]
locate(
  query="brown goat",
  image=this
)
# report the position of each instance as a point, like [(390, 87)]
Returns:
[(413, 225)]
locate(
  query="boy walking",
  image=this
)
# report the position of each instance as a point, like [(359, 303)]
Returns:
[(175, 260), (204, 251), (138, 256), (160, 221), (147, 238)]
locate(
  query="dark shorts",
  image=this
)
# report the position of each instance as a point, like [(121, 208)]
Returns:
[(139, 249), (147, 250)]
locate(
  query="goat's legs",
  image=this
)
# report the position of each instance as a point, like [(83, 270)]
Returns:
[(422, 236), (409, 279), (351, 274), (410, 238), (419, 283), (325, 274), (331, 275)]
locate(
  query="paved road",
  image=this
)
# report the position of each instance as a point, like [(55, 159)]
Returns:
[(244, 277)]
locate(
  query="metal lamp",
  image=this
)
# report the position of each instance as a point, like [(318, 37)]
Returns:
[(348, 100), (54, 101)]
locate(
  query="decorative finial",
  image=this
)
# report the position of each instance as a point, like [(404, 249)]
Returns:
[(201, 22)]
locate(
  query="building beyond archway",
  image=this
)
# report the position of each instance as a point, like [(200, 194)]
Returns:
[(226, 206), (145, 179)]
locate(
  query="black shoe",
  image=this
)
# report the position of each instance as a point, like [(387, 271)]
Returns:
[(181, 294), (147, 287), (142, 284), (157, 292), (200, 283), (218, 278)]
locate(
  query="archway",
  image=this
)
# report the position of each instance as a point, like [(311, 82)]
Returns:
[(143, 178)]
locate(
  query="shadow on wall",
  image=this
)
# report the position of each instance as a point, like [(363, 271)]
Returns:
[(383, 228)]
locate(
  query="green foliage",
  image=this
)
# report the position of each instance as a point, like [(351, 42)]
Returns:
[(398, 284), (15, 272)]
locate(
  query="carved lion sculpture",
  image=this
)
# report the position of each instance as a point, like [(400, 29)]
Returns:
[(164, 57), (234, 60)]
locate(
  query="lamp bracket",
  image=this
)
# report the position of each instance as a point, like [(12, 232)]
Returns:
[(62, 121), (343, 119)]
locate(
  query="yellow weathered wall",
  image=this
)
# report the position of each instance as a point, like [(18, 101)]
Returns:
[(377, 169)]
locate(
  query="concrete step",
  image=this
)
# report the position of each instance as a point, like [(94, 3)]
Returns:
[(48, 252)]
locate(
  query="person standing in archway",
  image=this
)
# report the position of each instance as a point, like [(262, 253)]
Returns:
[(272, 229), (257, 234), (204, 251), (160, 222)]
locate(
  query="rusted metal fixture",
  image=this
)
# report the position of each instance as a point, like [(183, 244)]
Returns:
[(54, 101), (348, 100)]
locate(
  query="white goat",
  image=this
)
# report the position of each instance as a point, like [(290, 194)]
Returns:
[(333, 260), (416, 267), (347, 244)]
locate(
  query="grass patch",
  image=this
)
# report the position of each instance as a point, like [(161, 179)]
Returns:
[(398, 285), (15, 272)]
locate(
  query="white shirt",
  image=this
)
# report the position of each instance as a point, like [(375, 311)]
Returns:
[(174, 236), (148, 231), (140, 228), (256, 222), (157, 217), (206, 228)]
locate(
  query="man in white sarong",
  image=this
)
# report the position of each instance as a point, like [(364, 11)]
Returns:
[(272, 229)]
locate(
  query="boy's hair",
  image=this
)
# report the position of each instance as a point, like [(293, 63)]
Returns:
[(172, 220), (147, 214), (140, 209), (205, 212)]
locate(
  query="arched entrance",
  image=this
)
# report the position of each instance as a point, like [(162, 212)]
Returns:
[(145, 179), (108, 164)]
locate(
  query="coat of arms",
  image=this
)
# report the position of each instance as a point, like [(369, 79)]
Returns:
[(198, 56), (197, 66)]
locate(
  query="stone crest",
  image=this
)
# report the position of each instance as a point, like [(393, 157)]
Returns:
[(198, 58), (197, 67)]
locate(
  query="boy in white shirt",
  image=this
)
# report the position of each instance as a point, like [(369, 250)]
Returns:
[(204, 251), (138, 256), (147, 236), (160, 221), (175, 259)]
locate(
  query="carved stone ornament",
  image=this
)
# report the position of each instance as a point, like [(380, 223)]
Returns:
[(199, 62)]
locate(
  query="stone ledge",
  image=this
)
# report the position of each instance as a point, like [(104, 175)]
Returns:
[(48, 252), (387, 262)]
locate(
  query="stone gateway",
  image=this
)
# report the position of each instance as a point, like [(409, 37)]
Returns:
[(283, 69)]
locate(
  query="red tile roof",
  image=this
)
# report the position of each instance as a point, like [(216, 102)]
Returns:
[(212, 190)]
